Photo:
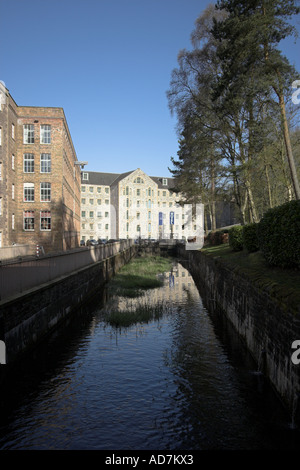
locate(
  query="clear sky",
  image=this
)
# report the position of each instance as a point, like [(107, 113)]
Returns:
[(108, 63)]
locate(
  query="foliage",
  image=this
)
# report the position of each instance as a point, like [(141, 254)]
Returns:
[(279, 235), (236, 238), (217, 237), (250, 240), (230, 94), (139, 274)]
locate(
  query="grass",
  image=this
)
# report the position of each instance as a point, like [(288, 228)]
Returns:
[(132, 281), (283, 284), (142, 313), (141, 273)]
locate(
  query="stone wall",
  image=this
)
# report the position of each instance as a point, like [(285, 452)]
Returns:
[(25, 319), (266, 326)]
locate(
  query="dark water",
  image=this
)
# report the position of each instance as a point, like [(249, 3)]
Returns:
[(180, 382)]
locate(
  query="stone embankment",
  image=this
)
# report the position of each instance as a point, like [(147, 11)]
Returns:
[(267, 327)]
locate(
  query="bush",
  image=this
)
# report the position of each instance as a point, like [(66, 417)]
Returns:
[(279, 235), (236, 238), (217, 237), (250, 241)]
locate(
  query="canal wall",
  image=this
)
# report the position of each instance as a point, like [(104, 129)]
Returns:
[(266, 325), (27, 317)]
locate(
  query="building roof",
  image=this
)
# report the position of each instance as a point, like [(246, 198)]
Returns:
[(111, 179)]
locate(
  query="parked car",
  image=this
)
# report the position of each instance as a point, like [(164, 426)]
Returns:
[(91, 242), (82, 243), (102, 241)]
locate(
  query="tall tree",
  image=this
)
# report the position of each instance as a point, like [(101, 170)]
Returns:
[(248, 40)]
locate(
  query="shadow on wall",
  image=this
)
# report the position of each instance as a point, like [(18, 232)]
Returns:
[(63, 235)]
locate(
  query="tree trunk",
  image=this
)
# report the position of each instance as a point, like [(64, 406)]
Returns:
[(287, 140)]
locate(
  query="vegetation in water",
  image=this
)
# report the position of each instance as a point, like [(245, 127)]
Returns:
[(140, 274), (132, 281)]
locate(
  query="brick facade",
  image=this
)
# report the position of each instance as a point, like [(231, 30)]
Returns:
[(40, 185)]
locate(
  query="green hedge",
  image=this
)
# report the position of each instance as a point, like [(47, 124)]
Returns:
[(236, 238), (279, 235), (217, 237), (250, 240)]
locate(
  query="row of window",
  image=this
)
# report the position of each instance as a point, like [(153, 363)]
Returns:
[(91, 189), (29, 163), (149, 192), (44, 218), (28, 134), (91, 214), (91, 201), (91, 226), (29, 137), (29, 193)]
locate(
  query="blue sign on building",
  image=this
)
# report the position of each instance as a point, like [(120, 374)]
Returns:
[(160, 218), (171, 218)]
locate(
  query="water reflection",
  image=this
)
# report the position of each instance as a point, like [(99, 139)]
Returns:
[(180, 382)]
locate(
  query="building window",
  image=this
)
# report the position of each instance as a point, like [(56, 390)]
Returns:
[(99, 202), (85, 176), (99, 215), (149, 204), (0, 171), (149, 215), (139, 180), (28, 134), (138, 215), (107, 190), (127, 227), (83, 189), (28, 162), (13, 221), (165, 181), (138, 228), (83, 214), (0, 205), (45, 162), (45, 135), (83, 200), (13, 162), (13, 131), (91, 189), (149, 227), (106, 226), (45, 192), (91, 201), (45, 220), (28, 192), (164, 193), (106, 214), (138, 192), (107, 201), (91, 214), (13, 191), (0, 135), (29, 220), (99, 190)]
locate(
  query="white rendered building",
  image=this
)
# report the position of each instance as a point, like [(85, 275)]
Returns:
[(132, 205)]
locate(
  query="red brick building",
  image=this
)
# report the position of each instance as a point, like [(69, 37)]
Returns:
[(39, 180)]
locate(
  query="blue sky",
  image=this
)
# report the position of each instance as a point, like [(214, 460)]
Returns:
[(108, 63)]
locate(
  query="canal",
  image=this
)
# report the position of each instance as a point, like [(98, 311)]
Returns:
[(181, 380)]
